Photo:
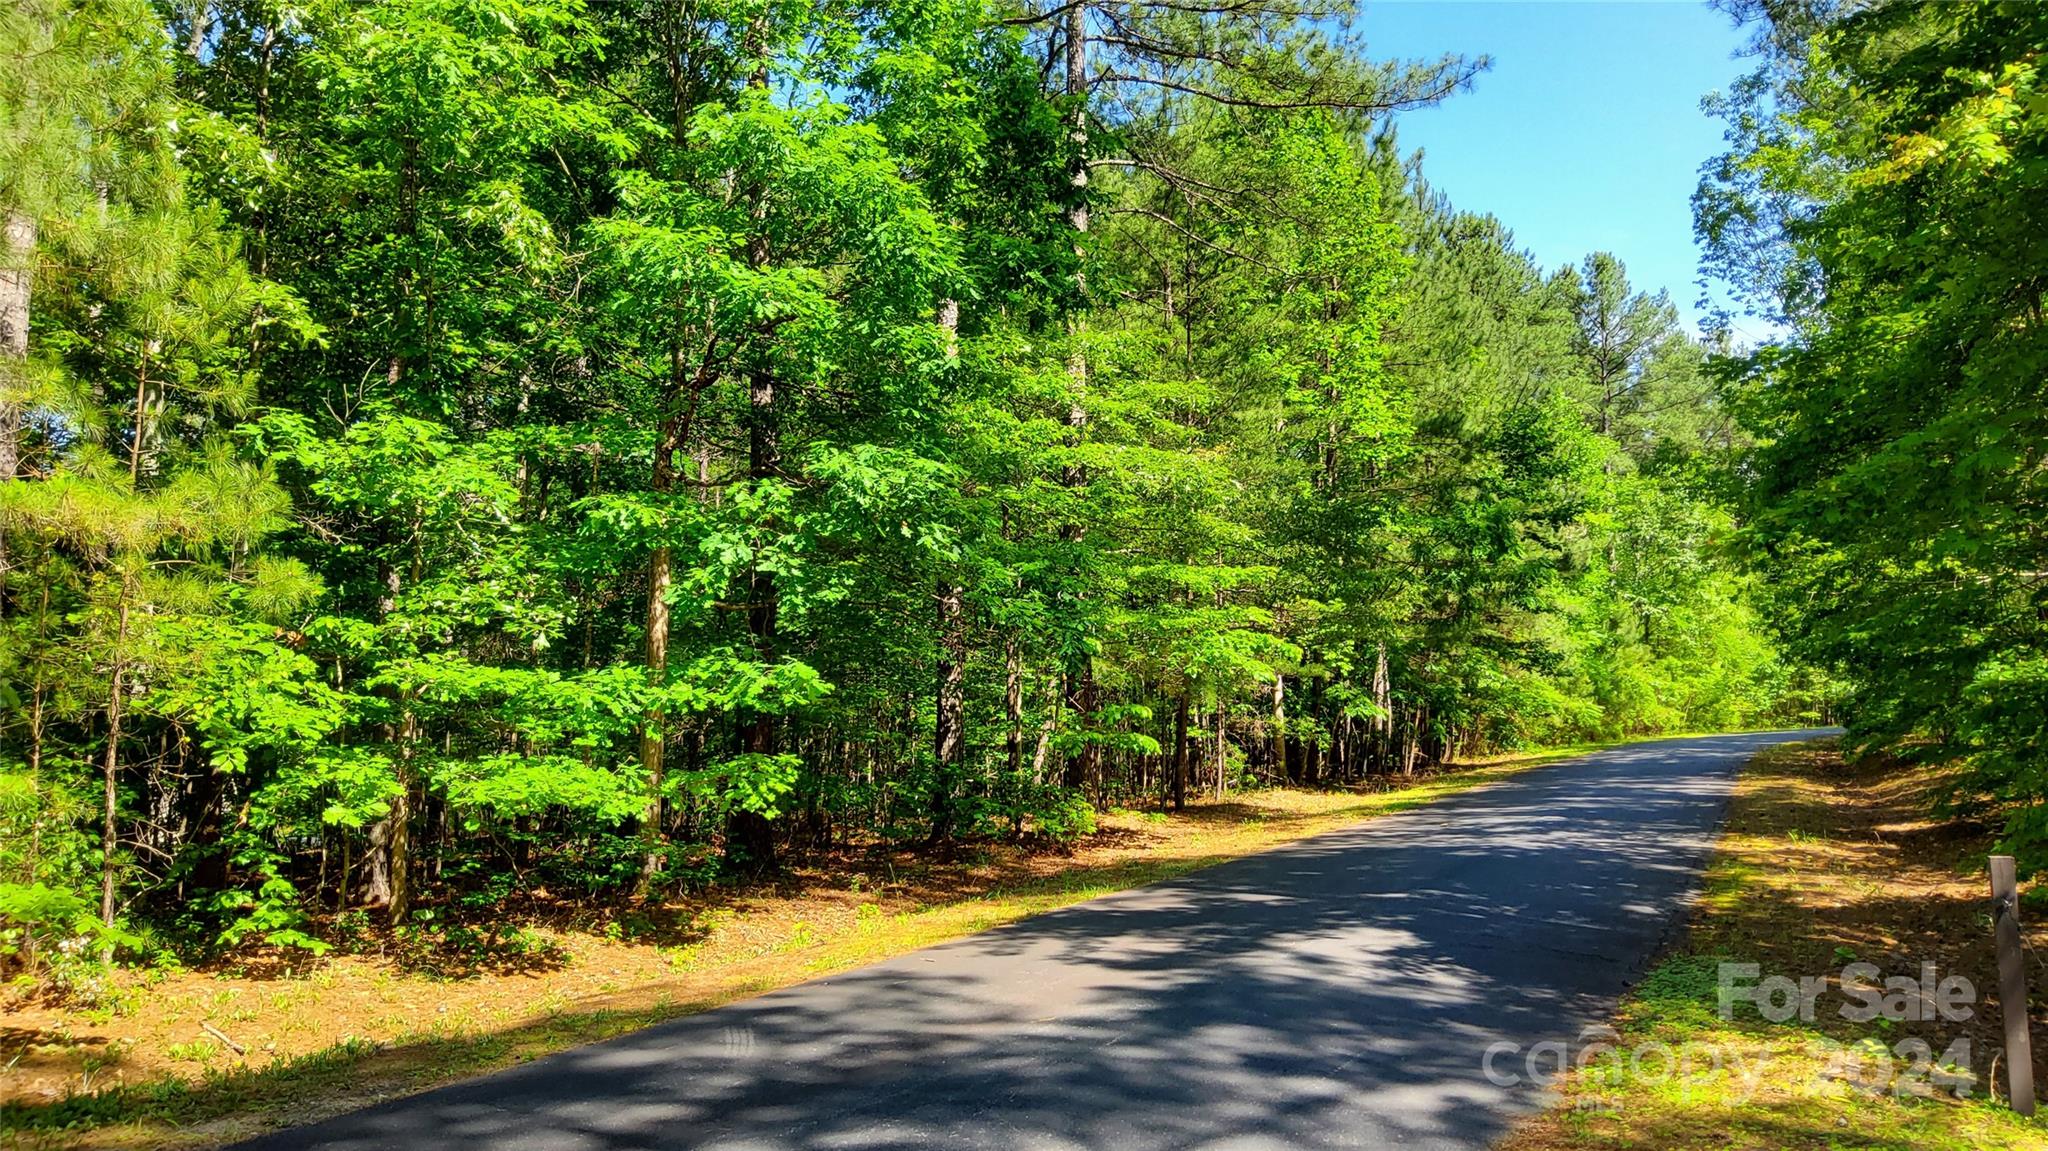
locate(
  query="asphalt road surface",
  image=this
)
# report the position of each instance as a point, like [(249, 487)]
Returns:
[(1341, 991)]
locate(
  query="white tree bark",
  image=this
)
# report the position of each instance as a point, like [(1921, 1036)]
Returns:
[(17, 274)]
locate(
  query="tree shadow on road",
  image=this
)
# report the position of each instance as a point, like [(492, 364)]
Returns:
[(1340, 990)]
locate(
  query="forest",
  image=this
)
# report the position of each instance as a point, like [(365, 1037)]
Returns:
[(453, 449)]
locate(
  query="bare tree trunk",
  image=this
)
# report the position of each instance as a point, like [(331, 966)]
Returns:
[(653, 736), (17, 277), (1077, 88), (202, 23), (1383, 705), (399, 835), (660, 569), (1085, 768), (1222, 714), (390, 875), (341, 880), (1310, 740), (377, 863), (38, 696), (1180, 753), (1041, 752), (950, 722), (140, 430), (402, 807), (1414, 746), (110, 841), (1280, 726), (1013, 704), (749, 835)]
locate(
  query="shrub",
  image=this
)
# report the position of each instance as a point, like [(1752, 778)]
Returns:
[(1062, 815)]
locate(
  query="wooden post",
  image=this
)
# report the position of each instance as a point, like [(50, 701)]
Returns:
[(2012, 985)]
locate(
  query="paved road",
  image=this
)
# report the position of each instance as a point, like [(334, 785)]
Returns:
[(1337, 992)]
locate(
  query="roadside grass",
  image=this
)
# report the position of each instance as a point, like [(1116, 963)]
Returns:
[(344, 1032), (1821, 864)]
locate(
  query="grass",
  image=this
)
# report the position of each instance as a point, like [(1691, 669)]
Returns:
[(345, 1032), (1821, 864)]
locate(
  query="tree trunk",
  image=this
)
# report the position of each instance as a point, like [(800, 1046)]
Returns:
[(377, 861), (140, 431), (398, 842), (110, 841), (17, 277), (950, 722), (1180, 753), (1383, 706), (209, 797), (1077, 89), (750, 836), (1040, 750), (1013, 704), (1280, 727), (398, 835), (1310, 741), (660, 571), (38, 694), (1085, 767), (1221, 715), (653, 736)]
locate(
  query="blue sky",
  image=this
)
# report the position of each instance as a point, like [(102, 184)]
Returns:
[(1586, 134)]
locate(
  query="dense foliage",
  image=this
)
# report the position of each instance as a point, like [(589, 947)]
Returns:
[(1886, 203), (451, 449)]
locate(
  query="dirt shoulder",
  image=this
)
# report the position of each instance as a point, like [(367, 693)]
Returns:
[(1822, 865)]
